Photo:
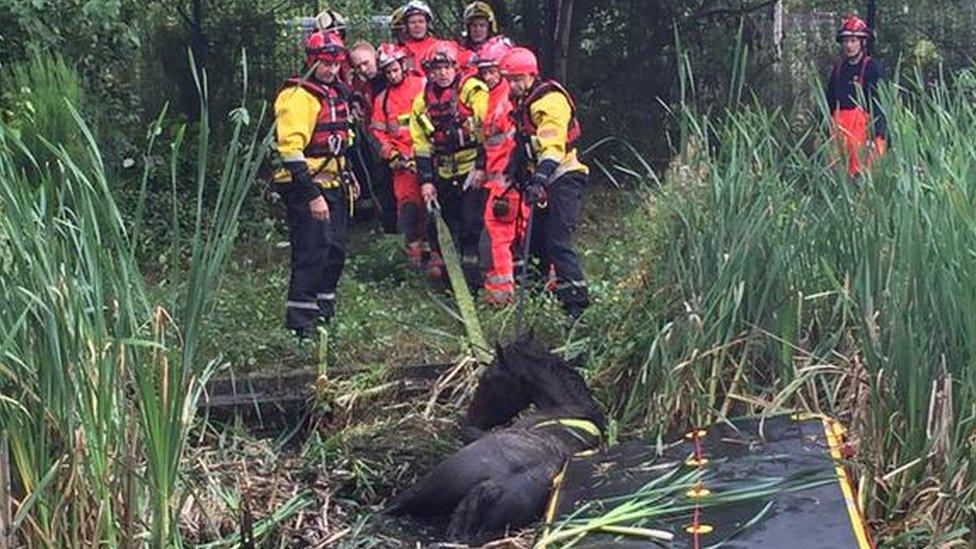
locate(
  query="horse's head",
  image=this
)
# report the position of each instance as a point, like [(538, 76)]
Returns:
[(526, 372), (501, 394)]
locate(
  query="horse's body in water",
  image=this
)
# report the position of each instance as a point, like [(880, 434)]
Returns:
[(503, 479)]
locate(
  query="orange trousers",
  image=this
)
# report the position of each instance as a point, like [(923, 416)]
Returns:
[(410, 212), (501, 230), (850, 131)]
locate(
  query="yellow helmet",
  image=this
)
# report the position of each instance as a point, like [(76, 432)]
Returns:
[(329, 20), (396, 19), (481, 9)]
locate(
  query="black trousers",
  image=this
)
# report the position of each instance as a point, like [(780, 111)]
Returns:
[(463, 212), (318, 255), (552, 240), (376, 180)]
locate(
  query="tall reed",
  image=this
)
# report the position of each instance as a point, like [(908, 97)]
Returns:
[(99, 382), (788, 285)]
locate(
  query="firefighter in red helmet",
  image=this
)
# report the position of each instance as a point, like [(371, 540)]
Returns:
[(390, 127), (313, 130), (858, 123), (505, 213), (444, 128), (545, 163)]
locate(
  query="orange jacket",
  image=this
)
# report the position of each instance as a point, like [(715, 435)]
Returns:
[(416, 51), (498, 130), (390, 124)]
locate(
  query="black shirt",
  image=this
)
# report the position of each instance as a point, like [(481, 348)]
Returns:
[(843, 89)]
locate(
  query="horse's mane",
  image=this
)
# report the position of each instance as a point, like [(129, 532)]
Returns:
[(541, 368)]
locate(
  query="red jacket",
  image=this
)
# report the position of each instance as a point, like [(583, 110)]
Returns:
[(390, 123), (499, 132), (416, 52)]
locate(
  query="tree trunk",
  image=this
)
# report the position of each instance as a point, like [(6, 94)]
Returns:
[(872, 13), (198, 41), (561, 39)]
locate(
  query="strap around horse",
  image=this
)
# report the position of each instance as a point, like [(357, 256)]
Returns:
[(584, 425)]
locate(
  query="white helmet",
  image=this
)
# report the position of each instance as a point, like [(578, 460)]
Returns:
[(418, 6)]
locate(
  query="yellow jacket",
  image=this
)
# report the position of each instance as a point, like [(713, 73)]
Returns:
[(296, 111), (474, 96), (551, 115)]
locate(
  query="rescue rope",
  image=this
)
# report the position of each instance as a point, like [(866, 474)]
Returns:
[(476, 337)]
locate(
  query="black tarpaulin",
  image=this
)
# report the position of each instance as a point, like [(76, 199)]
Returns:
[(773, 483)]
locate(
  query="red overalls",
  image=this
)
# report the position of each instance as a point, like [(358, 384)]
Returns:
[(391, 127), (416, 51), (502, 210)]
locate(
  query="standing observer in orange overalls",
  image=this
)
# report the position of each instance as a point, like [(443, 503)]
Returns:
[(391, 128), (505, 209), (858, 123)]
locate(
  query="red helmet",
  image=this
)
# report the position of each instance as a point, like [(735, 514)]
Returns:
[(444, 52), (389, 54), (519, 61), (853, 26), (491, 52), (325, 47)]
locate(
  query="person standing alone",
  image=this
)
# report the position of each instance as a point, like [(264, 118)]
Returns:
[(313, 131)]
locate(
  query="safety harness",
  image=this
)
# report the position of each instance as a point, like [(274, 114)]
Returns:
[(527, 128), (859, 79), (447, 122), (332, 135)]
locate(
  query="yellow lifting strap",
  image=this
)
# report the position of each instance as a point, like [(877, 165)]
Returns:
[(584, 425)]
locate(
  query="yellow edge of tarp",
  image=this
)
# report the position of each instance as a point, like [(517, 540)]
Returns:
[(835, 433), (557, 482)]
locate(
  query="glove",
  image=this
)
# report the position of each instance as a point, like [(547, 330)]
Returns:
[(535, 189), (302, 188)]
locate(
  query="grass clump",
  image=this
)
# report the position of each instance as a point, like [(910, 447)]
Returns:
[(784, 284), (99, 380)]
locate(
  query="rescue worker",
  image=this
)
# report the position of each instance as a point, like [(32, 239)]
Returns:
[(391, 128), (398, 28), (857, 121), (368, 80), (505, 214), (331, 21), (367, 83), (445, 130), (545, 162), (480, 24), (314, 131), (417, 39)]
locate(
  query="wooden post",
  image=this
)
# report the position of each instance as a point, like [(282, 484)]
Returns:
[(872, 15), (779, 62), (561, 38)]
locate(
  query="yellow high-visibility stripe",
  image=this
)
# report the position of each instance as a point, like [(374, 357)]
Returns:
[(835, 432)]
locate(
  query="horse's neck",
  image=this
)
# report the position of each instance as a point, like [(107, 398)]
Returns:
[(534, 415)]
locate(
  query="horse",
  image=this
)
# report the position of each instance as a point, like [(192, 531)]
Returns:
[(502, 479)]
